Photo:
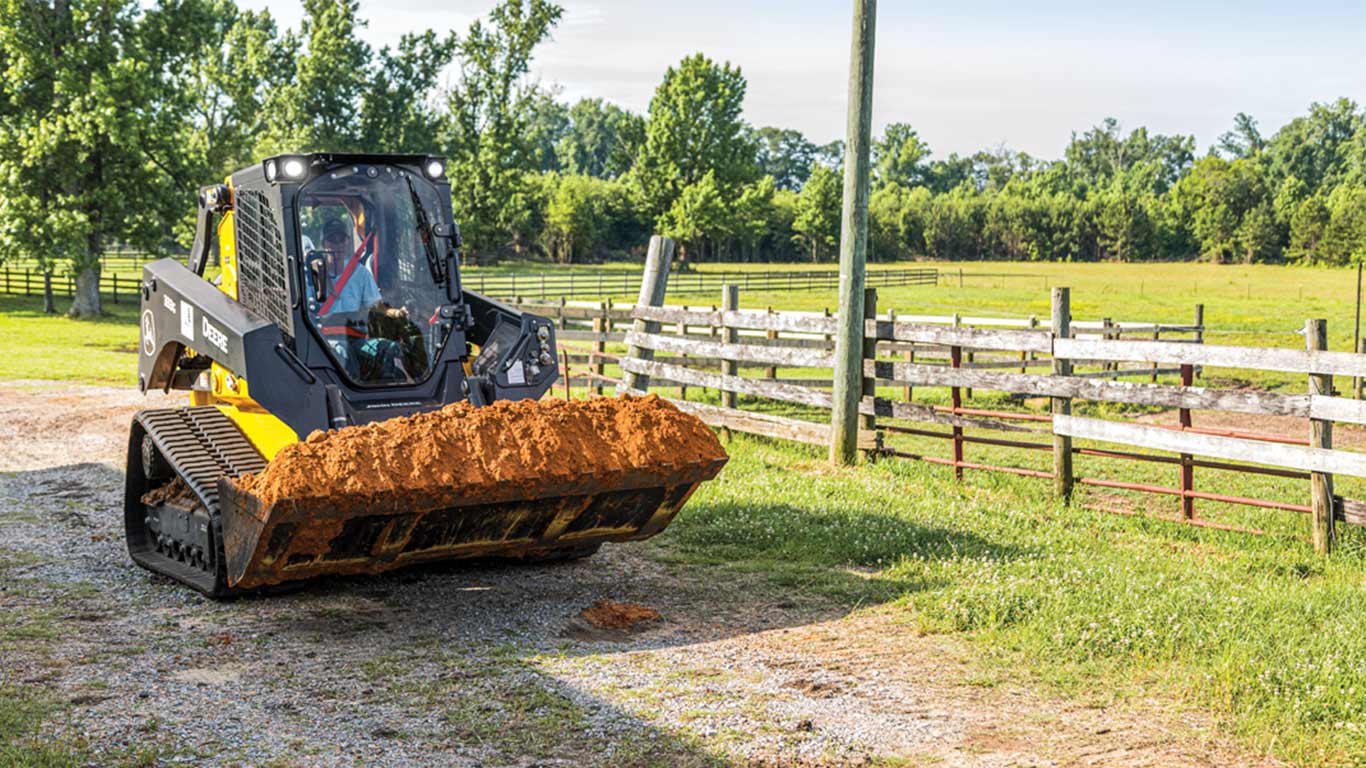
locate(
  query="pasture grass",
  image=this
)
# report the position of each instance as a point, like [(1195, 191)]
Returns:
[(1255, 629), (34, 345)]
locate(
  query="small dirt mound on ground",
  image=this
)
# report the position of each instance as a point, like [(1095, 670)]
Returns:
[(464, 452), (606, 614)]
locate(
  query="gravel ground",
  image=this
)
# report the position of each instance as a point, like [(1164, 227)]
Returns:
[(483, 665)]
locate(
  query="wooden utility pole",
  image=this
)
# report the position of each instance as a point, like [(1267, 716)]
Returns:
[(848, 383)]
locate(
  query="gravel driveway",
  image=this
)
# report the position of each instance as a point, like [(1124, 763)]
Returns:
[(483, 665)]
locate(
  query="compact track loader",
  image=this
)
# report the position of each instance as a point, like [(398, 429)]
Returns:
[(338, 305)]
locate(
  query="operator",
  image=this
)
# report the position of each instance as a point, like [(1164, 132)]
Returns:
[(355, 317), (359, 291)]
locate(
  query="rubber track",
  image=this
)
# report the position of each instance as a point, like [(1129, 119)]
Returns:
[(202, 446)]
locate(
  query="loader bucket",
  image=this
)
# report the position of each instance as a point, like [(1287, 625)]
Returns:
[(567, 482)]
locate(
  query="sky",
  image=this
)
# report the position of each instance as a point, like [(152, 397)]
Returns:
[(965, 75)]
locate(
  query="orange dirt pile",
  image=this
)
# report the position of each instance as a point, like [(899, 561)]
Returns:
[(464, 452), (609, 615)]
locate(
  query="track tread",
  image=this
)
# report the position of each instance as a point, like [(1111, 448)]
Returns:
[(202, 445)]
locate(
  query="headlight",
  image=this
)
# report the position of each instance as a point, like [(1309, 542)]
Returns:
[(435, 168), (271, 170), (294, 168)]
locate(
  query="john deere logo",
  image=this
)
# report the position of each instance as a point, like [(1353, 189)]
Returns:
[(149, 333)]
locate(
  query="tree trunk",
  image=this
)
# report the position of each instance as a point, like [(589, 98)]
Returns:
[(49, 304), (86, 301)]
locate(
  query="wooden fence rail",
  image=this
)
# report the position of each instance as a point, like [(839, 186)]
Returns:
[(29, 282)]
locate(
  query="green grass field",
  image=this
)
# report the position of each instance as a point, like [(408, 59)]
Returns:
[(1256, 629)]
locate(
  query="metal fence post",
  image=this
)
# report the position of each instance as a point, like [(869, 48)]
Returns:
[(1321, 437), (1060, 322), (652, 285), (1199, 328)]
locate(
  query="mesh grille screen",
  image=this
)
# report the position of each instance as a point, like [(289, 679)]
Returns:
[(262, 285)]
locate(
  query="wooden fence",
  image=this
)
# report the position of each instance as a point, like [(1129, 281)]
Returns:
[(29, 282), (1061, 360), (571, 285), (542, 286)]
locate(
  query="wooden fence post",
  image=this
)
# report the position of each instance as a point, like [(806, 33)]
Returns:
[(868, 422), (772, 372), (1105, 333), (652, 284), (967, 392), (599, 348), (1320, 436), (1025, 357), (683, 332), (730, 301), (1157, 336), (1060, 322)]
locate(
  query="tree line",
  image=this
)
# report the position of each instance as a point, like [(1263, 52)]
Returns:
[(112, 112)]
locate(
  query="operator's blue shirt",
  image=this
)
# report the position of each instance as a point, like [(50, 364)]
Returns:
[(360, 292)]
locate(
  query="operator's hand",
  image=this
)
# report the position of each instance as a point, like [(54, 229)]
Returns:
[(396, 313)]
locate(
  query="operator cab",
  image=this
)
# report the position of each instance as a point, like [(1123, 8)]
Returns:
[(373, 277)]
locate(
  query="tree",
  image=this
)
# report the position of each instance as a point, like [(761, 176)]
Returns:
[(214, 66), (899, 157), (1307, 227), (1316, 148), (601, 140), (697, 218), (486, 126), (1344, 239), (396, 110), (694, 129), (817, 220), (547, 125), (317, 108), (1244, 141), (580, 214), (1103, 153), (80, 98), (786, 155)]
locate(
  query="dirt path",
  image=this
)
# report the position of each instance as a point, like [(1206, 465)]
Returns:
[(485, 666)]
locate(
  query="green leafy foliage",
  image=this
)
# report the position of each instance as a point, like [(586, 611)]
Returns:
[(112, 113)]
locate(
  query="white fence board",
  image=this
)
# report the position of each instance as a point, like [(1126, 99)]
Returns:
[(1213, 446)]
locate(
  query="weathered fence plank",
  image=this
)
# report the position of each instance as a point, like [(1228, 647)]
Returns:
[(744, 353), (1259, 358), (1129, 392), (963, 336), (1214, 446)]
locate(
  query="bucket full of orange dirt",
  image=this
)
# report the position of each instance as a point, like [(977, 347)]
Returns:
[(525, 479)]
